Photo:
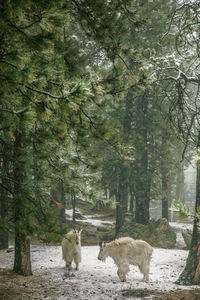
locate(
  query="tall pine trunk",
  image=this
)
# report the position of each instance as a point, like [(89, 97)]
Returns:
[(142, 178), (191, 273), (165, 201), (58, 195), (73, 200), (22, 261), (164, 175), (121, 198), (4, 200), (180, 183)]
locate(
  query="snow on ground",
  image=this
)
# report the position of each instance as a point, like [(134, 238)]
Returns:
[(99, 280), (93, 220), (182, 226), (166, 265)]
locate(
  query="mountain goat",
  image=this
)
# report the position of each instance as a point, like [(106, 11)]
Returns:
[(125, 251), (71, 248)]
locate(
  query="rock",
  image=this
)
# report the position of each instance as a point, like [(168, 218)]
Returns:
[(102, 229), (79, 216), (187, 236), (158, 233)]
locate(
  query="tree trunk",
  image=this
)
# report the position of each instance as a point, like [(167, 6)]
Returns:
[(4, 202), (22, 261), (58, 195), (165, 208), (142, 188), (22, 264), (3, 216), (131, 207), (191, 273), (142, 178), (165, 193), (73, 199), (121, 198), (180, 183)]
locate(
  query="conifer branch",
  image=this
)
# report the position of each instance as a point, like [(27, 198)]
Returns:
[(181, 74), (43, 92), (9, 64), (89, 118), (13, 111), (6, 188)]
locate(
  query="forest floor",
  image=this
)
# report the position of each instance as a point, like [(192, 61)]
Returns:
[(95, 280)]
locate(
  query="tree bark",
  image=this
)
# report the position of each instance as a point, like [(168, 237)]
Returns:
[(73, 200), (191, 273), (22, 264), (142, 178), (3, 216), (180, 183), (58, 195), (131, 207), (22, 261), (165, 197), (4, 201), (121, 198), (165, 207)]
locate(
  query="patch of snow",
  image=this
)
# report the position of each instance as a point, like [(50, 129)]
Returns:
[(99, 277), (98, 280), (88, 218), (181, 226), (166, 266)]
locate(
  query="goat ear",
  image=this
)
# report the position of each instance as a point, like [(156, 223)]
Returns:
[(102, 244)]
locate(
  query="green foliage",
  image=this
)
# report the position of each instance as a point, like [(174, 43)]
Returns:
[(49, 230), (181, 209), (197, 213), (67, 68)]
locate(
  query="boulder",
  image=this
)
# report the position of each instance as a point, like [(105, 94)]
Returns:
[(79, 216), (158, 233)]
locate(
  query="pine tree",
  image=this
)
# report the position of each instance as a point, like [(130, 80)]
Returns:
[(191, 272), (181, 73), (49, 101)]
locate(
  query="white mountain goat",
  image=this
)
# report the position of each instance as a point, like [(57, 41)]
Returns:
[(125, 251), (71, 248)]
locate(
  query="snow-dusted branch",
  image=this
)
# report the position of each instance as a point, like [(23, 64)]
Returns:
[(180, 75)]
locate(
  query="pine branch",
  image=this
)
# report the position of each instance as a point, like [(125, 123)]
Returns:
[(181, 74), (43, 92), (13, 111), (9, 64), (6, 188)]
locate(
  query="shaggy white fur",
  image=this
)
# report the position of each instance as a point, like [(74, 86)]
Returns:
[(71, 248), (125, 251)]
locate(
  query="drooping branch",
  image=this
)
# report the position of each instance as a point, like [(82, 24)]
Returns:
[(44, 92)]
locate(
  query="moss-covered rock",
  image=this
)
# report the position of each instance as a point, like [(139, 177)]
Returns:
[(158, 233)]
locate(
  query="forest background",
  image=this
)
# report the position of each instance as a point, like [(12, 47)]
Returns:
[(99, 100)]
